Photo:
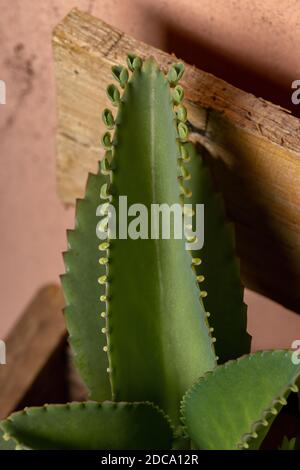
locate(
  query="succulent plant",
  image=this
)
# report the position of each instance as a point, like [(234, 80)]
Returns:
[(158, 331)]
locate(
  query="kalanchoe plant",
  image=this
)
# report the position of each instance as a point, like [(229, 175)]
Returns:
[(158, 332)]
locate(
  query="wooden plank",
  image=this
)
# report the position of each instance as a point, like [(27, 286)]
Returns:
[(253, 147), (35, 343), (51, 385)]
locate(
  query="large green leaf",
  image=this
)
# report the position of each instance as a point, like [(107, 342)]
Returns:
[(234, 406), (90, 426), (82, 292), (219, 266), (158, 340)]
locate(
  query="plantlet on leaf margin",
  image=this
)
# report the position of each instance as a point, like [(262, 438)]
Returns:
[(142, 327)]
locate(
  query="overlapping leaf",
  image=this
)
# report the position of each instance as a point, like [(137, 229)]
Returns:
[(82, 292), (234, 406), (90, 426), (219, 269)]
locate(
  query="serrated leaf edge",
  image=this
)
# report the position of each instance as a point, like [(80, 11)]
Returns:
[(257, 425), (72, 405)]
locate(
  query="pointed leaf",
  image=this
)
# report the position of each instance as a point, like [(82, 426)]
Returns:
[(219, 267), (91, 426), (234, 406), (82, 292), (157, 332)]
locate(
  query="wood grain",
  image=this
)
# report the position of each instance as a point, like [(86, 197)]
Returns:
[(32, 349), (252, 146)]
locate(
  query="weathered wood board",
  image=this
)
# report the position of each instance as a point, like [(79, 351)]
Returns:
[(32, 373), (253, 147)]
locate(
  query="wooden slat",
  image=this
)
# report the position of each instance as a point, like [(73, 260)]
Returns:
[(32, 348), (253, 147)]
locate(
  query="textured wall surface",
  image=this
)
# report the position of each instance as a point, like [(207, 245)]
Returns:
[(251, 44)]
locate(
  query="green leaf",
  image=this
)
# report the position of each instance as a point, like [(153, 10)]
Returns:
[(158, 340), (175, 73), (219, 267), (6, 444), (121, 74), (113, 94), (234, 406), (91, 426), (134, 62), (82, 292), (288, 444), (108, 119)]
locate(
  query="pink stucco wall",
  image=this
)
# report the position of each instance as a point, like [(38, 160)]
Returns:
[(250, 43)]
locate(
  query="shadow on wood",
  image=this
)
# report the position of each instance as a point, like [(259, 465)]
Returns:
[(35, 369)]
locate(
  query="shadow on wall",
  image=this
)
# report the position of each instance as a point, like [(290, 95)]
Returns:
[(238, 71)]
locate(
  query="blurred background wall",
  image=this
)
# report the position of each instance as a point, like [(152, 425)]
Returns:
[(250, 43)]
